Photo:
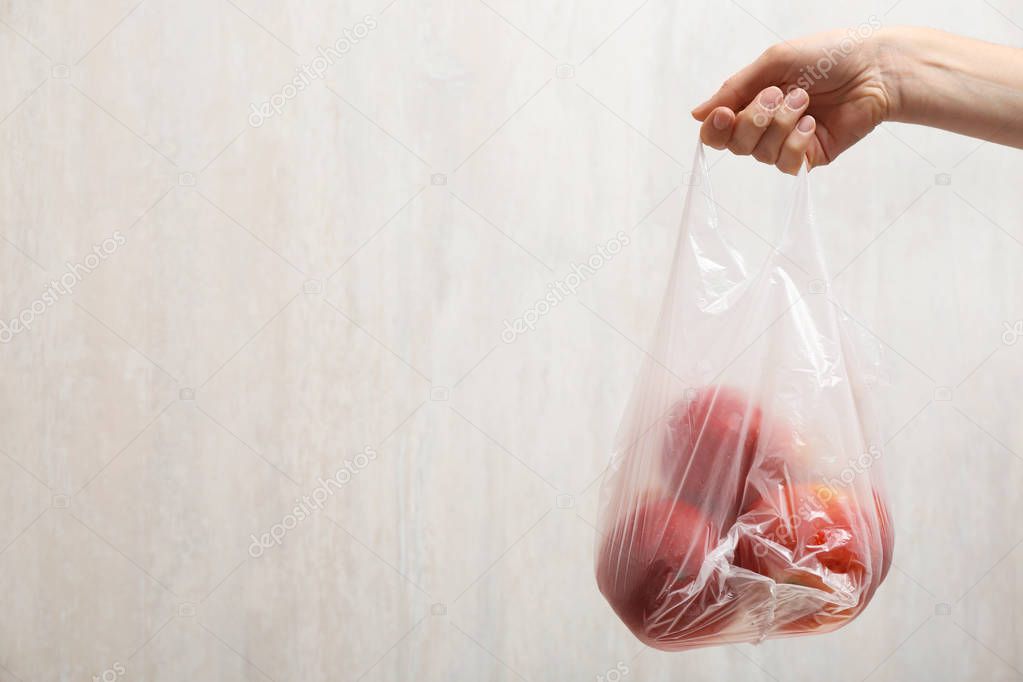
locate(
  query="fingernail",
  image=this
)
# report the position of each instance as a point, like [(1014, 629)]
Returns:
[(796, 98), (805, 124), (771, 98), (721, 120)]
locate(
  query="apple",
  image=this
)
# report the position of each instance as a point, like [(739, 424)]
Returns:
[(815, 536), (648, 567), (712, 439), (807, 557)]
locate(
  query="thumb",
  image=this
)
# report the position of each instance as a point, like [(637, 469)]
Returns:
[(740, 89)]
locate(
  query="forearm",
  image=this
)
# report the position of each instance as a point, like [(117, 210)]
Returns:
[(954, 83)]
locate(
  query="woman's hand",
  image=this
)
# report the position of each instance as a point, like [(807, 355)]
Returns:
[(817, 96), (813, 97)]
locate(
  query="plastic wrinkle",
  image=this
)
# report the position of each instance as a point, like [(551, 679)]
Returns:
[(744, 497)]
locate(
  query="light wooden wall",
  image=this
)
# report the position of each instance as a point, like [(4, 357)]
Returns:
[(280, 298)]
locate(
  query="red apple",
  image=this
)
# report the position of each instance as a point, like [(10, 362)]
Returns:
[(814, 536), (711, 442), (648, 568)]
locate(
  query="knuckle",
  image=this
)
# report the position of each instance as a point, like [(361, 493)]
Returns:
[(771, 53), (740, 148), (793, 146), (711, 140), (787, 165)]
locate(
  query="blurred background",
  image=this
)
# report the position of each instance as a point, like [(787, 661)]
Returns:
[(262, 417)]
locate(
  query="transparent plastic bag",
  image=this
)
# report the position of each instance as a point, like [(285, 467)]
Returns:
[(743, 500)]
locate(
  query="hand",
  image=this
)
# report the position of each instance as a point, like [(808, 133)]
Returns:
[(810, 98)]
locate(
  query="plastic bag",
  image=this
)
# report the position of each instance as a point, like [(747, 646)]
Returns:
[(743, 498)]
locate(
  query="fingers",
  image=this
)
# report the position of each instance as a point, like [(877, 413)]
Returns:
[(773, 128), (752, 121), (740, 89), (768, 149), (716, 130), (794, 149)]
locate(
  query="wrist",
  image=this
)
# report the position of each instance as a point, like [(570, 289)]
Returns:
[(913, 64), (895, 60)]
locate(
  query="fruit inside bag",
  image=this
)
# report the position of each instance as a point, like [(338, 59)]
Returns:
[(743, 500)]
